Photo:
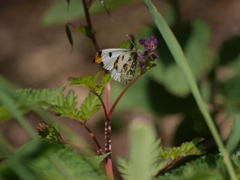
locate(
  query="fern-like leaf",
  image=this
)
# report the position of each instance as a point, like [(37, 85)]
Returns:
[(27, 99), (90, 82), (67, 106), (186, 149), (144, 161), (90, 106), (208, 167)]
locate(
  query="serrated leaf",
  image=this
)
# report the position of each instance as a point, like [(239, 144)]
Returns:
[(90, 106), (86, 81), (143, 162), (27, 99), (71, 99), (66, 106), (90, 82), (207, 167), (186, 149)]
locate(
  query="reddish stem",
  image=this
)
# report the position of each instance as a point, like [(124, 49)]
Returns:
[(109, 169), (107, 89), (99, 151)]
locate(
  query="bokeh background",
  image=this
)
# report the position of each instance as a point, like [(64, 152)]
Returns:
[(35, 53)]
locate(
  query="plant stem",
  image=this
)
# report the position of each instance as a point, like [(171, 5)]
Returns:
[(108, 148), (179, 56), (107, 89), (99, 151), (89, 24), (108, 165)]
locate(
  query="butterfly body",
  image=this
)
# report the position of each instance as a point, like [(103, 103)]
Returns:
[(121, 63)]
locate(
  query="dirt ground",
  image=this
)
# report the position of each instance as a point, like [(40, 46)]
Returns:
[(36, 56)]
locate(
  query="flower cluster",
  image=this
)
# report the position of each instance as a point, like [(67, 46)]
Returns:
[(48, 131), (150, 45)]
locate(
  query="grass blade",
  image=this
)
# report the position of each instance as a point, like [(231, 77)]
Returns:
[(180, 59)]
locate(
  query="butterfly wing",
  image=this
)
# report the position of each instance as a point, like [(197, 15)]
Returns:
[(124, 67), (121, 63), (107, 57)]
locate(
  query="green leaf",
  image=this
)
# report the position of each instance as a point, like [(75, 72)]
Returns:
[(186, 149), (68, 2), (207, 167), (231, 90), (233, 142), (59, 13), (90, 82), (69, 35), (66, 106), (143, 162), (87, 31), (90, 106), (56, 162), (26, 99)]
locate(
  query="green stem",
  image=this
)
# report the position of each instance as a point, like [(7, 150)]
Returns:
[(179, 56)]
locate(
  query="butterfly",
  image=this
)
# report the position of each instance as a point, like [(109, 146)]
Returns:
[(121, 63)]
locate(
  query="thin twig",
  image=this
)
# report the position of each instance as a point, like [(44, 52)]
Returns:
[(99, 150), (89, 24)]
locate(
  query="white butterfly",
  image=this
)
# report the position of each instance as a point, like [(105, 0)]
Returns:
[(121, 63)]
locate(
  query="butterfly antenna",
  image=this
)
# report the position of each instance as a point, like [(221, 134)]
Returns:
[(130, 40)]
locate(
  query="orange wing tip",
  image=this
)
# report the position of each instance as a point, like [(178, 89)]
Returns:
[(98, 59)]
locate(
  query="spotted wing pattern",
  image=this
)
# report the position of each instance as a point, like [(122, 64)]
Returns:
[(121, 63)]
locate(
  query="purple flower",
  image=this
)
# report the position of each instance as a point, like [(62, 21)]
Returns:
[(154, 56), (142, 65), (150, 45)]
